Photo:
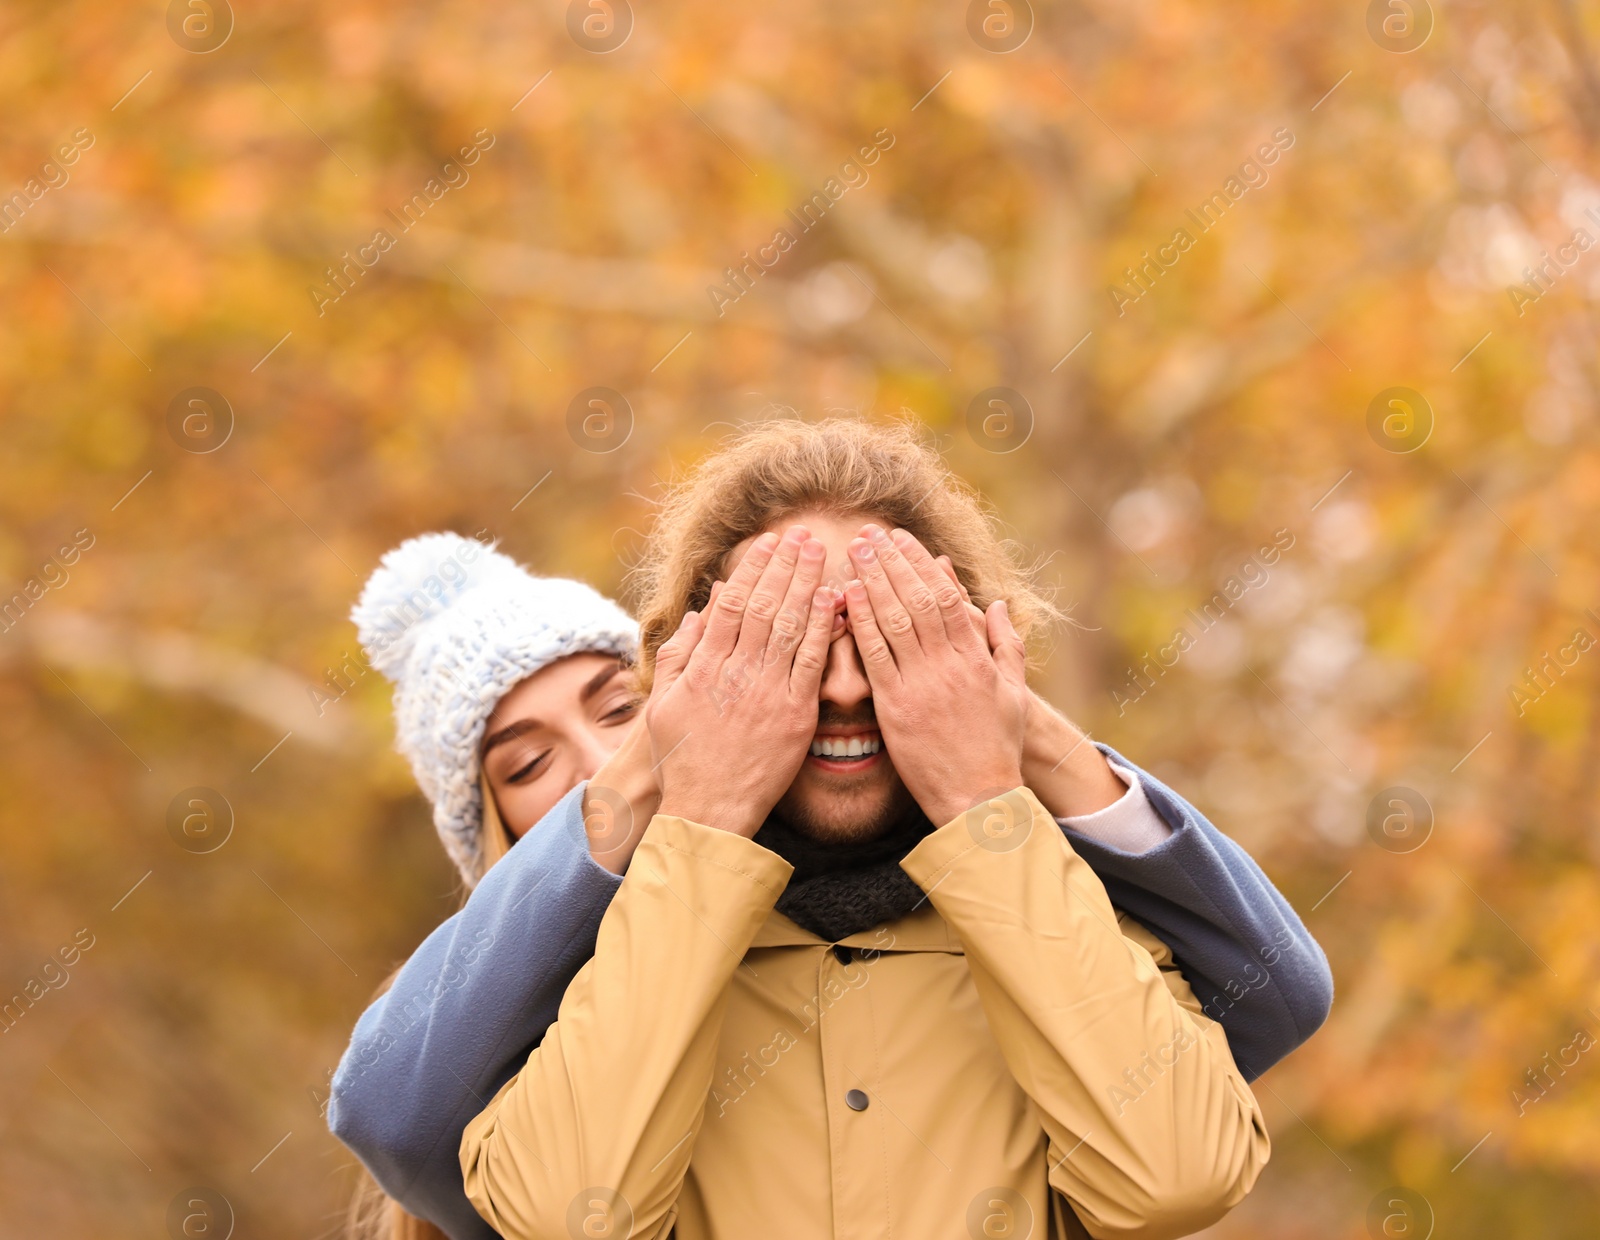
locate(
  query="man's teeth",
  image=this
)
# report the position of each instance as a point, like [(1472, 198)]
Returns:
[(845, 747)]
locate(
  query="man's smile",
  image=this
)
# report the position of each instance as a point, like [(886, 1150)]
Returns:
[(846, 749)]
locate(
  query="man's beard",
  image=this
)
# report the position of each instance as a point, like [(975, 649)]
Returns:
[(847, 875), (853, 808), (854, 817), (845, 836)]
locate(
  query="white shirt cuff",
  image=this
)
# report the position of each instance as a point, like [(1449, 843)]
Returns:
[(1129, 823)]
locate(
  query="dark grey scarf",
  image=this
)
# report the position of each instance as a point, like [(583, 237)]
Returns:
[(840, 889)]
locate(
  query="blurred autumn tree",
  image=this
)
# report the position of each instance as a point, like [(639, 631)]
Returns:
[(1411, 633)]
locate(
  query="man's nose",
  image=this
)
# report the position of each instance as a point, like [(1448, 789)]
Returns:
[(844, 679)]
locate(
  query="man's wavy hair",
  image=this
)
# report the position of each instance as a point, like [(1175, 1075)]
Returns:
[(771, 470)]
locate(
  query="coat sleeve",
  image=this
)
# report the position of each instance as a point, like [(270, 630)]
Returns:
[(600, 1123), (1152, 1130), (1250, 960), (462, 1013)]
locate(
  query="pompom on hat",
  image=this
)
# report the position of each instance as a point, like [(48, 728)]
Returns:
[(456, 625)]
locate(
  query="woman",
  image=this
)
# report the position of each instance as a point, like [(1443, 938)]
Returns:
[(470, 638), (511, 692)]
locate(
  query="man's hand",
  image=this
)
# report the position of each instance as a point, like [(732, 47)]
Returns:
[(950, 699), (739, 708)]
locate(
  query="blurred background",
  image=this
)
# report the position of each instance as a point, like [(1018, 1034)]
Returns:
[(1319, 277)]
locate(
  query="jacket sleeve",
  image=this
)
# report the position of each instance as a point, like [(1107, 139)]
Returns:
[(462, 1013), (1251, 962), (1152, 1130), (635, 1044)]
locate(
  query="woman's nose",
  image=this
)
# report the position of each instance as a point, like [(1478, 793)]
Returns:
[(595, 744)]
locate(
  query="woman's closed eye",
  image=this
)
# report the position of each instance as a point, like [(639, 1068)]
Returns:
[(535, 765), (623, 711)]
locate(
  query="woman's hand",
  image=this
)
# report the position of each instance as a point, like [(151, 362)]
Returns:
[(620, 801), (950, 698), (739, 708), (1060, 765)]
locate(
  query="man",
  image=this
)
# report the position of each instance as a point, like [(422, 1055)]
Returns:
[(970, 1045)]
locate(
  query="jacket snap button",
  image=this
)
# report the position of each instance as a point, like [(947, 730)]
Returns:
[(841, 953), (856, 1100)]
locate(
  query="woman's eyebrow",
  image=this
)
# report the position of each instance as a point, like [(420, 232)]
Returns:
[(529, 724), (599, 681), (510, 732)]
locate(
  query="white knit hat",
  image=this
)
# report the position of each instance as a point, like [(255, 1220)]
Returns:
[(456, 624)]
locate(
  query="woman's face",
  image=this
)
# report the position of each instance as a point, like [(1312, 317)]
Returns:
[(552, 731)]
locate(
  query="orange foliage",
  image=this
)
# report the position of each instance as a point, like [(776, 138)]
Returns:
[(1184, 401)]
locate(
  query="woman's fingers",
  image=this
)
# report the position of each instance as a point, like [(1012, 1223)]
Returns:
[(912, 586), (841, 621), (943, 562), (954, 613), (811, 655), (1010, 655), (723, 619), (892, 620), (876, 657), (974, 612), (673, 656), (793, 617), (766, 598)]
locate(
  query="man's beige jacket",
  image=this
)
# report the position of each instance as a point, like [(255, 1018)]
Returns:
[(1012, 1059)]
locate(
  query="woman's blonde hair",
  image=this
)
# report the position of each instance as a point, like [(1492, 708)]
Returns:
[(494, 837), (843, 466), (373, 1214)]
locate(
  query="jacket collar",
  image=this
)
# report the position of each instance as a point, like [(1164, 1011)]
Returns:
[(921, 930)]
